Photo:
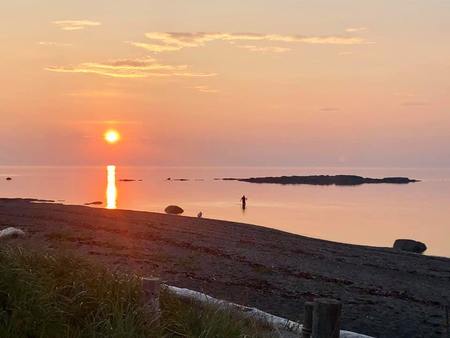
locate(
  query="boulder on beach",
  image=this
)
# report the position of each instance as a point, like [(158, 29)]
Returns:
[(410, 245), (174, 210), (11, 232)]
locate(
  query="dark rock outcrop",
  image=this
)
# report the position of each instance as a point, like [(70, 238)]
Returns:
[(174, 210), (324, 180), (409, 245), (94, 203)]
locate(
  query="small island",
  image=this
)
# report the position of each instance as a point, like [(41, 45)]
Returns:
[(324, 180)]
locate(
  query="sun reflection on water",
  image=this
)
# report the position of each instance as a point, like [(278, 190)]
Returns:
[(111, 189)]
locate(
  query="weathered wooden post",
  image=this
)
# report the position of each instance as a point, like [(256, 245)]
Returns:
[(326, 318), (308, 320), (151, 287)]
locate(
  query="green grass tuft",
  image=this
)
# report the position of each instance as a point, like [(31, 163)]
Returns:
[(60, 295)]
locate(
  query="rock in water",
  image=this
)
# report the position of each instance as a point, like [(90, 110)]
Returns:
[(11, 233), (324, 180), (94, 203), (409, 245), (174, 210), (200, 214), (8, 178)]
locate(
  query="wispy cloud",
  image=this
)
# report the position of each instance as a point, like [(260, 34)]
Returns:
[(74, 25), (205, 89), (415, 103), (156, 48), (103, 122), (54, 44), (268, 49), (130, 68), (97, 94), (329, 109), (355, 29), (165, 42)]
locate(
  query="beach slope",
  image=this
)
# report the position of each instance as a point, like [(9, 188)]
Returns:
[(385, 293)]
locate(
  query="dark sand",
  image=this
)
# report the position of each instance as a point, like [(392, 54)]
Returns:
[(385, 293)]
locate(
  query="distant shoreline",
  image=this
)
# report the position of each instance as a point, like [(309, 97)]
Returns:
[(381, 289)]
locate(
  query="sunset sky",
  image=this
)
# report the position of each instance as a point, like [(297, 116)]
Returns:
[(276, 83)]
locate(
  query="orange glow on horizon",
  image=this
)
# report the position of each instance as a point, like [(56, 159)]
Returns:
[(112, 136)]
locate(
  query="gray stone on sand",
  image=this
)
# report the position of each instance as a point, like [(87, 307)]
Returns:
[(11, 233), (409, 245), (174, 210)]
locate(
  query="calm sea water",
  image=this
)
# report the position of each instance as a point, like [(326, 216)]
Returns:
[(367, 214)]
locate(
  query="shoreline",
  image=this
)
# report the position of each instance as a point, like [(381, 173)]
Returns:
[(97, 205), (385, 293)]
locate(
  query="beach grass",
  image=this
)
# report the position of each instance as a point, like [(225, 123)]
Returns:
[(48, 294)]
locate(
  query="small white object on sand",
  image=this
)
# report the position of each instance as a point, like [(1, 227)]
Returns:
[(11, 233)]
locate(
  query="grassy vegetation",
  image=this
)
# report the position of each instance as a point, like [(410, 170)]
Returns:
[(49, 295)]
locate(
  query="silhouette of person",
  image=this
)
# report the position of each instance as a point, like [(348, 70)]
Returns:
[(244, 202)]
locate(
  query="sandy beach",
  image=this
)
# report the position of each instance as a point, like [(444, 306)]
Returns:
[(385, 293)]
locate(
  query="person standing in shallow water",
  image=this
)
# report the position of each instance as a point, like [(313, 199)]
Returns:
[(244, 202)]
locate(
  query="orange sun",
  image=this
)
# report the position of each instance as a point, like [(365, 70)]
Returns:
[(112, 136)]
